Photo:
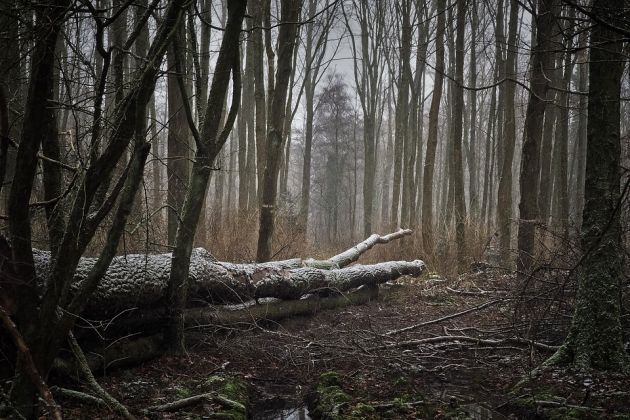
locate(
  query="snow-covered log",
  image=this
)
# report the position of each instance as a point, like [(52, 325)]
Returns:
[(140, 281)]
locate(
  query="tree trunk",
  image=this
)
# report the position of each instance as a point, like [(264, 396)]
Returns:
[(489, 153), (388, 150), (581, 129), (244, 120), (595, 338), (251, 117), (541, 62), (177, 166), (429, 163), (209, 143), (310, 79), (10, 70), (504, 201), (407, 157), (457, 126), (259, 94), (473, 174), (546, 146), (561, 183), (286, 43)]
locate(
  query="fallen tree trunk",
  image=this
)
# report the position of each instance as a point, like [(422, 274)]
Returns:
[(140, 281), (123, 321)]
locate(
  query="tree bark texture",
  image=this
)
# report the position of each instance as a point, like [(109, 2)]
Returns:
[(595, 338), (457, 121), (504, 196), (541, 62), (179, 148), (432, 137), (286, 43), (209, 143)]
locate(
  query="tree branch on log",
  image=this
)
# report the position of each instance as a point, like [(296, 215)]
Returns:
[(341, 260), (352, 255)]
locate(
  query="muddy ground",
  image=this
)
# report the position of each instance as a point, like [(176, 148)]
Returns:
[(354, 362)]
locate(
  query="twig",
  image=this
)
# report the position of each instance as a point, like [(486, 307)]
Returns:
[(544, 403), (386, 406), (195, 399), (444, 318), (184, 402), (16, 414), (29, 364), (468, 293), (467, 339)]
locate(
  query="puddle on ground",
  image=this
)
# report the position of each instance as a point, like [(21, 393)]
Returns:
[(292, 413)]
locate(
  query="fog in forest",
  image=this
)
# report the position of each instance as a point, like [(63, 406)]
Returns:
[(182, 177)]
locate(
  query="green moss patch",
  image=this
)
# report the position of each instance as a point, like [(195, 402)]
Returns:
[(232, 394), (333, 400)]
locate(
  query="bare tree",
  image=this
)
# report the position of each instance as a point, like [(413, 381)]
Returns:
[(595, 339), (457, 121), (286, 42), (432, 137), (541, 62), (178, 159), (57, 312), (504, 196), (314, 57), (368, 77), (209, 143)]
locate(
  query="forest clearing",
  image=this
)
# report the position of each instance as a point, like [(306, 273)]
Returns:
[(314, 209)]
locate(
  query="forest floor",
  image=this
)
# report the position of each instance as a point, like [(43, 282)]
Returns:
[(354, 363)]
